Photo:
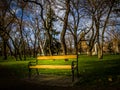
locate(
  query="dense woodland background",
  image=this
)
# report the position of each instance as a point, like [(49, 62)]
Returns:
[(50, 27)]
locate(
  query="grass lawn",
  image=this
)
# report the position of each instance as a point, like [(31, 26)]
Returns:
[(93, 72)]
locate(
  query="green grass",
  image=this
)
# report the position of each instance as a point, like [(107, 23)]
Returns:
[(97, 72), (93, 72)]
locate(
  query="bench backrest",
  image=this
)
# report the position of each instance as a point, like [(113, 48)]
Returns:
[(57, 57)]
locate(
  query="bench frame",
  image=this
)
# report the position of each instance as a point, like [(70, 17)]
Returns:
[(73, 66)]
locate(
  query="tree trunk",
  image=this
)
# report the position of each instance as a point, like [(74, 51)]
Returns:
[(76, 46), (34, 52), (49, 45), (24, 52), (63, 44), (100, 50), (49, 38), (65, 27), (115, 45), (5, 50), (15, 55), (89, 51), (96, 51), (41, 48), (19, 53), (100, 53), (11, 52)]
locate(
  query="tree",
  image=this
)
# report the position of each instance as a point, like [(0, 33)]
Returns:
[(99, 12), (65, 23), (6, 20), (50, 31), (73, 24), (69, 43), (47, 21)]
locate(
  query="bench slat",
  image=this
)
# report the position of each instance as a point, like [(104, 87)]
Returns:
[(57, 57), (51, 66)]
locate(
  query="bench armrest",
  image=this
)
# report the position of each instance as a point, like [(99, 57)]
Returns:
[(74, 64), (32, 63)]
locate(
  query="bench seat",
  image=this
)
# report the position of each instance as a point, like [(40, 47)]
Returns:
[(52, 66)]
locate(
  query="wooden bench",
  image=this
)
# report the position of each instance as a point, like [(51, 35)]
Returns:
[(73, 66)]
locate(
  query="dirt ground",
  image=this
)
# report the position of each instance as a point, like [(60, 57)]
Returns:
[(45, 82), (41, 82)]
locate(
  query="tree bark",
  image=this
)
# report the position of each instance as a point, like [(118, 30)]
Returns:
[(76, 45), (65, 27), (89, 52), (103, 31), (5, 50)]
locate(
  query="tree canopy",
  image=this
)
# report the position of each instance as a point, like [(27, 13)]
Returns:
[(48, 27)]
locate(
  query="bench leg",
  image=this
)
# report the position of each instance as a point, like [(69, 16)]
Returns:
[(37, 71), (72, 74), (29, 73), (77, 72)]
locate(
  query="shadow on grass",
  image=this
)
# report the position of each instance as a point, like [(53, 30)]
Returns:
[(103, 73), (15, 69)]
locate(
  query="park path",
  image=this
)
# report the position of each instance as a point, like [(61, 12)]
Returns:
[(41, 82), (52, 80), (44, 82)]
